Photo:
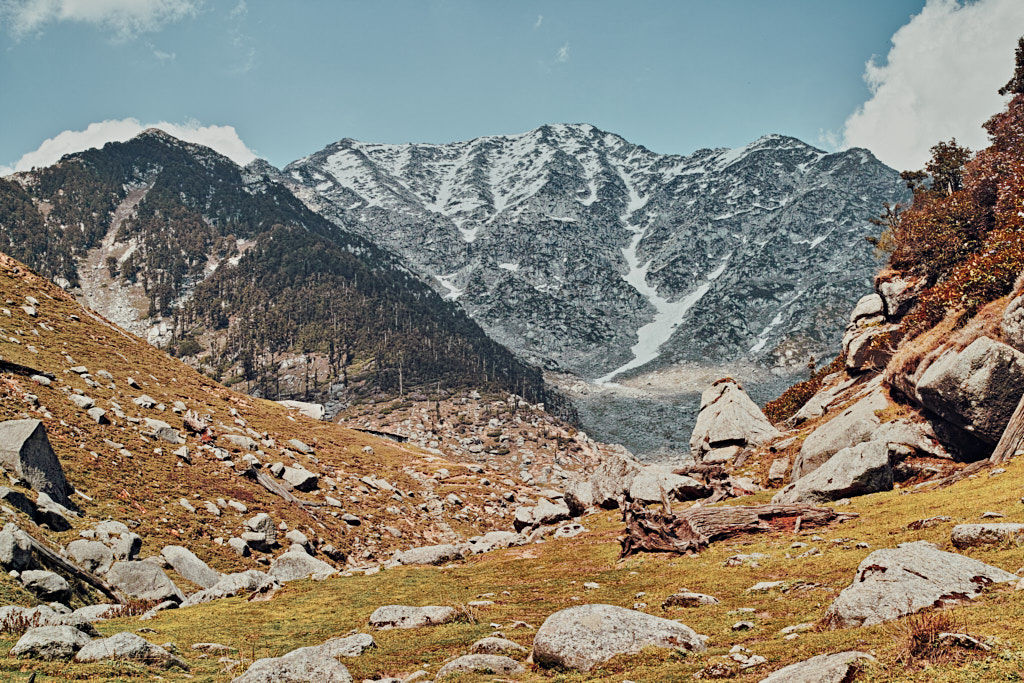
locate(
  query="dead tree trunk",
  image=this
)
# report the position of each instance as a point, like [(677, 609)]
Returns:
[(650, 530), (1012, 438)]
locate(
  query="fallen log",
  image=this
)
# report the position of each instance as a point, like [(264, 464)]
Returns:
[(277, 489), (652, 530), (54, 561)]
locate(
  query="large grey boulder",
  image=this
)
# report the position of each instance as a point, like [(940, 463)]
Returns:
[(495, 540), (494, 645), (403, 616), (300, 478), (240, 441), (971, 535), (46, 585), (977, 388), (869, 310), (579, 495), (50, 642), (26, 452), (728, 417), (650, 481), (233, 584), (432, 554), (586, 636), (544, 512), (497, 665), (836, 668), (854, 471), (189, 567), (159, 429), (92, 556), (852, 426), (899, 294), (127, 646), (313, 664), (143, 581), (297, 564), (894, 582), (611, 478), (869, 348), (263, 533), (15, 548)]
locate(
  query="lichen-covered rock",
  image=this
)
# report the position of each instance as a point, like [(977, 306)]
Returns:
[(650, 481), (92, 556), (971, 535), (493, 645), (314, 664), (585, 636), (893, 582), (190, 567), (854, 425), (835, 668), (497, 665), (143, 581), (50, 642), (431, 554), (869, 310), (298, 564), (46, 585), (233, 584), (126, 646), (404, 616), (854, 471), (977, 388)]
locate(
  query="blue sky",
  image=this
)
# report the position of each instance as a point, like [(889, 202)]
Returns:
[(292, 76)]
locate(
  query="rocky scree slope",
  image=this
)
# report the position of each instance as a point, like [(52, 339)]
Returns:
[(179, 460), (588, 253), (226, 268)]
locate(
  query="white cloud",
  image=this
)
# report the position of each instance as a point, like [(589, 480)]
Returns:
[(5, 170), (163, 56), (223, 139), (939, 80), (563, 54), (125, 18), (540, 20)]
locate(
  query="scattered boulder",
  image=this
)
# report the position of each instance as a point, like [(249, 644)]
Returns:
[(241, 442), (484, 664), (15, 548), (544, 512), (648, 484), (300, 478), (190, 567), (298, 564), (159, 429), (836, 668), (778, 470), (579, 495), (45, 585), (497, 646), (852, 426), (687, 598), (92, 556), (870, 310), (899, 294), (262, 534), (315, 664), (300, 446), (728, 417), (570, 530), (869, 348), (977, 388), (610, 480), (403, 616), (586, 636), (854, 471), (894, 582), (50, 642), (233, 584), (431, 554), (315, 411), (26, 452), (130, 647), (495, 540), (971, 535), (83, 402), (143, 581)]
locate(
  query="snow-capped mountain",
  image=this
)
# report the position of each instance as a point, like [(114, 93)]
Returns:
[(591, 254)]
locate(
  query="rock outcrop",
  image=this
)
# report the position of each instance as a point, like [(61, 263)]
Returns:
[(728, 417), (854, 471), (836, 668), (403, 616), (893, 582)]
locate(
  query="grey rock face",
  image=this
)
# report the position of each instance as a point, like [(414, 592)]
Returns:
[(836, 668), (611, 480), (971, 535), (403, 616), (190, 567), (143, 580), (854, 471), (544, 512), (128, 647), (893, 582), (480, 663), (585, 636), (50, 642), (298, 564), (26, 452), (866, 348), (647, 485), (977, 388), (852, 426), (618, 238), (431, 554)]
